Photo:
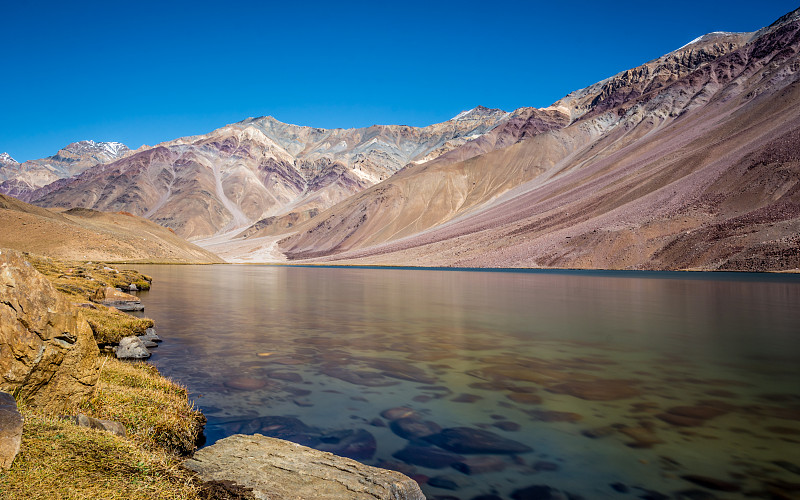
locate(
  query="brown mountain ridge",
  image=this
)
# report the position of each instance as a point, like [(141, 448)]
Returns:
[(84, 234), (688, 161)]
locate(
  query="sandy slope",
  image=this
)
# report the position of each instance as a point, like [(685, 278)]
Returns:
[(81, 234)]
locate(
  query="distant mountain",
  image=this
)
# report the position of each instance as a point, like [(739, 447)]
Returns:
[(21, 179), (81, 234), (242, 173), (690, 161), (6, 159)]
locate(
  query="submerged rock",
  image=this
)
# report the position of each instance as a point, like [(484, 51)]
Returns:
[(356, 444), (537, 492), (412, 428), (474, 441), (365, 378), (245, 383), (427, 456), (598, 389), (480, 464), (711, 483), (553, 416), (505, 425), (276, 468), (443, 482), (399, 412)]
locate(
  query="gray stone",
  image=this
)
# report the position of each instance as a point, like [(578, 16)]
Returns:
[(100, 424), (10, 430), (278, 470), (132, 348), (133, 288), (150, 334)]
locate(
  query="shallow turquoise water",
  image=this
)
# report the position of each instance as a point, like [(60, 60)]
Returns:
[(638, 380)]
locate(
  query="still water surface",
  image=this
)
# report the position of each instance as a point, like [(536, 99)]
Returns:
[(621, 384)]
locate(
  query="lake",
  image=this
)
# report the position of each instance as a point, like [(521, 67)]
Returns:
[(502, 384)]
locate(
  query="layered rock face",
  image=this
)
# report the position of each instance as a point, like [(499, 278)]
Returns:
[(281, 470), (687, 162), (242, 173), (48, 355)]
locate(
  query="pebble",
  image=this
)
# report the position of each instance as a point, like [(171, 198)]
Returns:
[(465, 398), (399, 412), (525, 398)]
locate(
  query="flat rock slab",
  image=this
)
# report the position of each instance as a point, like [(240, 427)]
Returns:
[(111, 297), (276, 469)]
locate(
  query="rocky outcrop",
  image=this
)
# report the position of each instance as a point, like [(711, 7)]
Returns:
[(48, 355), (10, 430), (111, 297), (277, 470)]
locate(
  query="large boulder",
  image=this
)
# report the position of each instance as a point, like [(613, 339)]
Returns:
[(10, 430), (111, 297), (276, 469), (48, 355)]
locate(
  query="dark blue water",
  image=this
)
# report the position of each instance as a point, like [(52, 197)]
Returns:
[(588, 382)]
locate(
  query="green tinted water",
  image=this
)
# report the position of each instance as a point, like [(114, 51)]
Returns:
[(637, 380)]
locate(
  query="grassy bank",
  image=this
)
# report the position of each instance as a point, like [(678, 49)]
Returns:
[(59, 459)]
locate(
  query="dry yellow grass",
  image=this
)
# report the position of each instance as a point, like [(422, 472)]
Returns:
[(80, 280), (154, 410), (59, 460), (110, 325)]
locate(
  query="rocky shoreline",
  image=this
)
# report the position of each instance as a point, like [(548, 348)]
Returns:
[(53, 365)]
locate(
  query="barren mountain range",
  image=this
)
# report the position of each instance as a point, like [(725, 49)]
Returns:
[(690, 161)]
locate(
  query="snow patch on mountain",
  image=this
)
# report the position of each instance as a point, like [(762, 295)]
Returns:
[(6, 158), (706, 37)]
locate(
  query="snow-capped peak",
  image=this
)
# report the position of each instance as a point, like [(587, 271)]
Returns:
[(479, 111), (707, 36), (6, 158), (112, 149), (462, 114)]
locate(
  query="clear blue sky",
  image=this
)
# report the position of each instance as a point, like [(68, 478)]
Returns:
[(143, 72)]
